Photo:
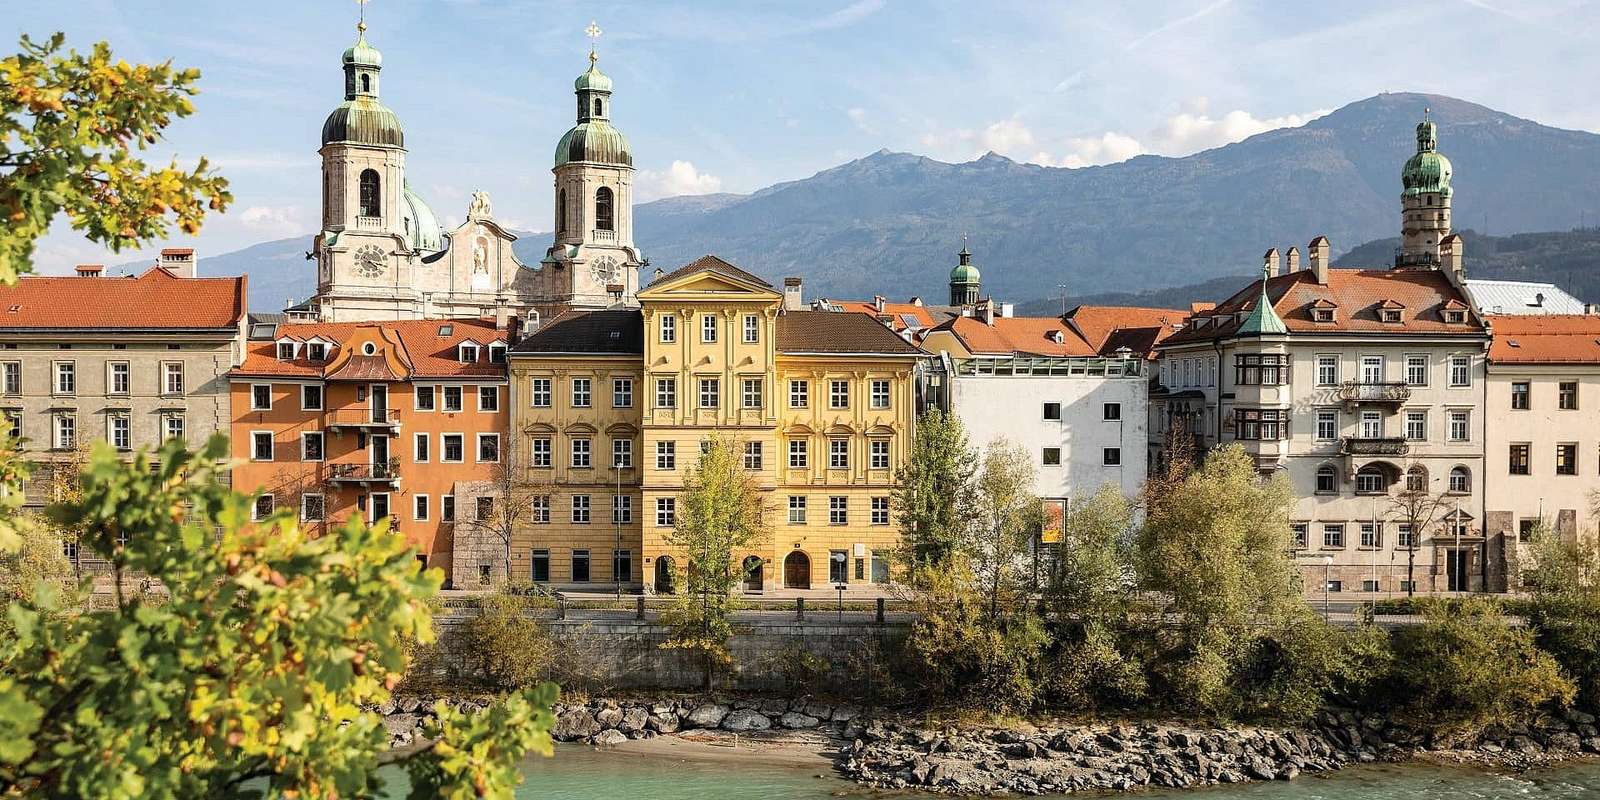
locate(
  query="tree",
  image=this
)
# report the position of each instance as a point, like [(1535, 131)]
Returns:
[(1009, 515), (512, 498), (720, 513), (1092, 592), (1565, 612), (513, 651), (70, 125), (960, 653), (1419, 509), (251, 670), (934, 501)]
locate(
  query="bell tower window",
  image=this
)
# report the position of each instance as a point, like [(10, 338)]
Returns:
[(366, 84), (370, 204), (603, 218), (561, 212), (597, 107)]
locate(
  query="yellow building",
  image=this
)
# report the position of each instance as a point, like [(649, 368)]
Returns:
[(821, 405)]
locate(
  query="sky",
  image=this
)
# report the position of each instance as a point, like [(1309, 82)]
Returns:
[(733, 96)]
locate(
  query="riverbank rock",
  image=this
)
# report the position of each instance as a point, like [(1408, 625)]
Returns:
[(708, 715), (608, 738), (574, 724), (744, 719)]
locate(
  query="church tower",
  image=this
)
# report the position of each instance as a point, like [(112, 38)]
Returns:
[(964, 281), (1425, 201), (593, 261)]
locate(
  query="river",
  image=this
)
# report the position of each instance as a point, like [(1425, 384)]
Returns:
[(579, 773)]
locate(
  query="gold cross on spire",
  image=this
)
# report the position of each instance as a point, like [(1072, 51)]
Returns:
[(361, 24), (593, 32)]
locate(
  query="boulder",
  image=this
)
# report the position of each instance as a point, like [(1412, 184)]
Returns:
[(576, 724), (745, 719), (664, 723), (708, 715), (386, 707), (409, 705), (793, 719), (634, 719), (609, 738), (400, 723), (845, 713), (608, 717)]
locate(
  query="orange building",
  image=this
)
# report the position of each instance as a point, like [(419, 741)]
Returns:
[(377, 418)]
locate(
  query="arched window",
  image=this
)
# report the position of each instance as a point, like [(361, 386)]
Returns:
[(1460, 480), (371, 205), (1371, 480), (366, 84), (582, 107), (1417, 479), (1327, 479), (561, 212), (597, 107), (603, 219)]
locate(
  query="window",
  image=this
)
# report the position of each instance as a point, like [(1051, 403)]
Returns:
[(580, 453), (1371, 425), (1369, 585), (310, 398), (1298, 530), (447, 508), (1268, 369), (622, 453), (1050, 456), (838, 394), (11, 378), (879, 394), (750, 393), (797, 454), (879, 450), (1260, 424), (1111, 456), (66, 377), (580, 566), (1052, 411), (1333, 536), (1519, 396), (1335, 586), (1459, 431), (880, 511), (260, 446), (452, 398), (1327, 370), (424, 398), (752, 328), (468, 353), (797, 509), (1567, 395), (799, 394), (666, 455), (488, 398), (604, 218), (174, 426), (1566, 458), (1327, 424), (497, 353), (666, 392), (708, 328), (621, 509), (419, 448), (118, 384), (312, 508), (838, 510), (539, 392), (488, 448), (622, 393), (539, 566), (836, 566), (419, 508), (370, 204), (1403, 537), (1372, 369), (1371, 534), (380, 506), (666, 512), (118, 431), (838, 454), (669, 328), (580, 509), (1460, 480), (1370, 480), (539, 509), (540, 454), (311, 446), (452, 448), (1416, 425), (1526, 528), (621, 560), (1111, 411), (752, 456), (710, 393), (1521, 458), (172, 378), (13, 417), (1417, 479), (260, 397), (316, 351), (1327, 479), (1460, 370), (580, 392), (263, 507), (1416, 370)]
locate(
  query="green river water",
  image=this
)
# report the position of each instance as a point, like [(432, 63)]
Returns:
[(579, 772)]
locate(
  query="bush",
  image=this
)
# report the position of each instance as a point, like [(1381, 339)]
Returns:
[(512, 650), (965, 657)]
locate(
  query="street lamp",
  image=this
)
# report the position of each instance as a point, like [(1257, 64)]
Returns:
[(840, 559), (1327, 564)]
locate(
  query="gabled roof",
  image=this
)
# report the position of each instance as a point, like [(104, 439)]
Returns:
[(1522, 297), (899, 316), (1084, 331), (836, 332), (155, 300), (610, 332), (1545, 339), (713, 264), (417, 342)]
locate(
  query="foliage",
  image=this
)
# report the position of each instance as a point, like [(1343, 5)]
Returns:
[(14, 472), (1009, 516), (512, 650), (1565, 608), (1466, 668), (70, 124), (935, 494), (1096, 663), (252, 671), (720, 514), (801, 669), (963, 655)]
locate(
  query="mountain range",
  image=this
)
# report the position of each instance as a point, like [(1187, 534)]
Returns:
[(890, 223)]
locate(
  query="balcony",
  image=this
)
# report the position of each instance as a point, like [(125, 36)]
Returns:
[(599, 236), (1374, 446), (365, 418), (1353, 392), (369, 223), (364, 473)]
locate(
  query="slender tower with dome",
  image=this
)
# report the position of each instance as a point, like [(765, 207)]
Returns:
[(965, 281), (1424, 201)]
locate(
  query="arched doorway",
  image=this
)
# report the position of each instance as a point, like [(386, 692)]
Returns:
[(754, 580), (665, 575), (797, 571)]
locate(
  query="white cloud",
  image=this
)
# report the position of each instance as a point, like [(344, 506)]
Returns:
[(858, 116), (273, 219), (680, 179), (1007, 137), (844, 17), (1108, 148), (1192, 129)]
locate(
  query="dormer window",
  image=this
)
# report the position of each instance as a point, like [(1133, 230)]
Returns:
[(497, 353), (1389, 314), (316, 351), (469, 353), (1455, 315), (1322, 314), (285, 351)]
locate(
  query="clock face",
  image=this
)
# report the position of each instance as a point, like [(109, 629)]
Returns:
[(370, 261), (605, 270)]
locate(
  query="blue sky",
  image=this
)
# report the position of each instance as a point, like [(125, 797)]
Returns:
[(734, 96)]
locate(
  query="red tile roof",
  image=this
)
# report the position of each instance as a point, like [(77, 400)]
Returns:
[(429, 354), (712, 264), (925, 317), (1545, 339), (838, 332), (154, 300), (1084, 331)]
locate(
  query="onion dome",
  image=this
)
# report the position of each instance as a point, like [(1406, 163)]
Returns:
[(1428, 171), (361, 118), (964, 272), (363, 54), (594, 139)]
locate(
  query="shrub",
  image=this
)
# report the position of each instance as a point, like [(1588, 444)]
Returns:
[(966, 657), (512, 649)]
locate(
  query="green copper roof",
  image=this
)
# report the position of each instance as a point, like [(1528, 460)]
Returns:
[(1428, 171), (596, 141), (363, 54), (1263, 319), (420, 223), (592, 80), (363, 120), (965, 272)]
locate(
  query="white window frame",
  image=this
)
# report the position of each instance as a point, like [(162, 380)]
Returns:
[(322, 499), (540, 392), (666, 512), (539, 509), (586, 451), (838, 453), (421, 448), (799, 393), (272, 446), (749, 399), (255, 401), (11, 378), (1330, 416), (1327, 367), (432, 394), (878, 454), (581, 510), (835, 395), (669, 328), (666, 455), (582, 392), (467, 352), (797, 509), (1372, 376), (498, 444), (622, 452), (1411, 414), (879, 511), (67, 370), (799, 454), (1330, 528), (112, 374), (879, 393), (838, 509), (126, 431), (322, 442), (64, 431), (167, 426), (710, 393), (444, 399), (168, 370), (752, 329), (1464, 418), (754, 458), (667, 390), (1417, 361), (444, 449), (621, 509), (1372, 425), (541, 452), (622, 393), (322, 399), (489, 390), (420, 509), (708, 328), (1463, 362)]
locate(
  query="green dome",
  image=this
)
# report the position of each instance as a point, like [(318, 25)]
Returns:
[(964, 273), (420, 223), (363, 120), (1428, 171), (592, 80), (594, 140), (363, 54)]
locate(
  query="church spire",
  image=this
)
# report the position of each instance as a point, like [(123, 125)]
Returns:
[(362, 63)]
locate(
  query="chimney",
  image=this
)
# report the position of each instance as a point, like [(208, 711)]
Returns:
[(427, 305), (1451, 250), (502, 316), (1007, 310), (877, 303), (1273, 263), (988, 313), (91, 270), (660, 273), (1319, 250), (531, 323), (177, 260), (1292, 263), (792, 298)]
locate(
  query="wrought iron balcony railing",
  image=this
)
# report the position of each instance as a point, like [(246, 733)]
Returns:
[(1374, 446), (1380, 392)]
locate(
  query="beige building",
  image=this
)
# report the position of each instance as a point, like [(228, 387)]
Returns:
[(1543, 447)]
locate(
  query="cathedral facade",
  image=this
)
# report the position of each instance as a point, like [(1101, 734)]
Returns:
[(382, 254)]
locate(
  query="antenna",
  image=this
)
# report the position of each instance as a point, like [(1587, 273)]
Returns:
[(1063, 288)]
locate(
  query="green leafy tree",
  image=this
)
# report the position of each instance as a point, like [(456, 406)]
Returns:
[(1098, 660), (250, 673), (70, 126), (512, 649), (1565, 607), (1009, 516), (961, 655), (720, 513), (935, 494)]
